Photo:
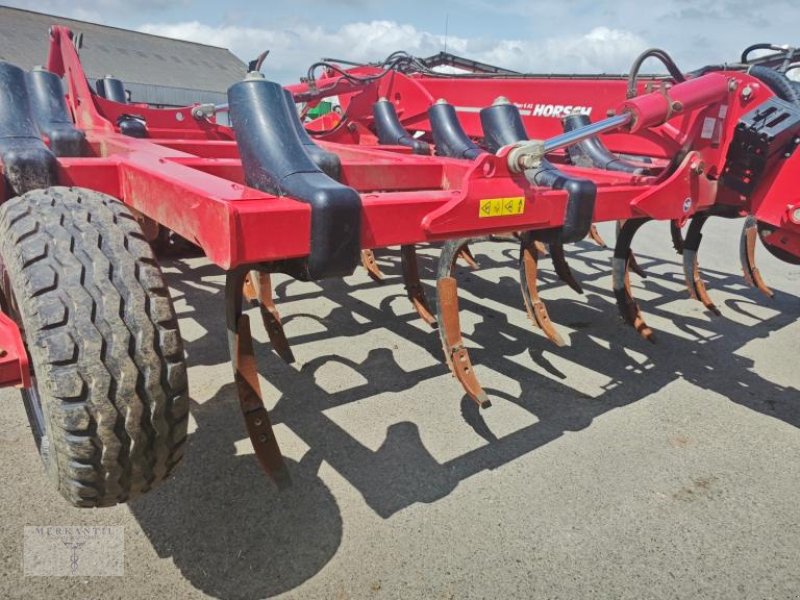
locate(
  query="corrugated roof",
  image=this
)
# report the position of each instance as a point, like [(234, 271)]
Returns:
[(136, 58)]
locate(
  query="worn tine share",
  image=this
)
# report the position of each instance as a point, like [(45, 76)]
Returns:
[(541, 248), (249, 288), (245, 372), (691, 271), (528, 280), (562, 268), (271, 317), (595, 236), (414, 289), (747, 256), (465, 255), (676, 235), (620, 263), (455, 351), (632, 264), (371, 266)]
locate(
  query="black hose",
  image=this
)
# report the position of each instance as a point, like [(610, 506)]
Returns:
[(762, 46), (781, 85), (662, 56)]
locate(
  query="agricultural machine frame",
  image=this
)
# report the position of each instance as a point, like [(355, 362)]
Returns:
[(542, 164)]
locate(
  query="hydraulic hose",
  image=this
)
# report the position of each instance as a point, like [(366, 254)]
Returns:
[(662, 56), (783, 87)]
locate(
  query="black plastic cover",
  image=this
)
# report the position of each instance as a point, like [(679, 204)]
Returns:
[(51, 114), (275, 161), (581, 194), (132, 126), (112, 89), (27, 162), (391, 132), (328, 162), (502, 125), (448, 135)]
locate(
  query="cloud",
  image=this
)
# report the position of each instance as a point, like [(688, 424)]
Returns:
[(293, 49), (96, 11)]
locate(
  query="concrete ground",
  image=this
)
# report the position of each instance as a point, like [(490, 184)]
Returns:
[(610, 468)]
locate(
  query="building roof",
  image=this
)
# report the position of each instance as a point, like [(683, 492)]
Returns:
[(156, 69)]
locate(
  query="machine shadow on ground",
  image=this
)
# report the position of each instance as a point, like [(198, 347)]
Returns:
[(232, 534)]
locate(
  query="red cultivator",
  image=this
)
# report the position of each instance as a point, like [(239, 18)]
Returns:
[(541, 159)]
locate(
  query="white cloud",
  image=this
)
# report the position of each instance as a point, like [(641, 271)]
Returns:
[(95, 11), (293, 49)]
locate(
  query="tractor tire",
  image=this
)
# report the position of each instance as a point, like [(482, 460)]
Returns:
[(108, 406)]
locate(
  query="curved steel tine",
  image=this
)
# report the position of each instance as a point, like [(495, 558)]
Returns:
[(595, 236), (691, 271), (628, 308), (368, 262), (251, 403), (414, 289), (528, 281), (677, 236), (632, 264), (455, 352), (562, 268), (747, 256), (270, 315)]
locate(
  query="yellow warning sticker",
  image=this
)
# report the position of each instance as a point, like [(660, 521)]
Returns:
[(501, 207)]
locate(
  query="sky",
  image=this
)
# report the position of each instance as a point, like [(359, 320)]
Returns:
[(559, 36)]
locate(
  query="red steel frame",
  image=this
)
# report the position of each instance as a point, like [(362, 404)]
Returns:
[(775, 202), (187, 175)]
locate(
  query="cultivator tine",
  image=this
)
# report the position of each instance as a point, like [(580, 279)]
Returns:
[(528, 280), (465, 255), (414, 289), (368, 262), (257, 422), (691, 271), (455, 352), (677, 236), (621, 263), (270, 315), (562, 268), (595, 236), (248, 288), (632, 264), (541, 248), (747, 255)]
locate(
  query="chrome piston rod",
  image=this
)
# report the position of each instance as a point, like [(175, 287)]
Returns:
[(570, 138), (527, 155)]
